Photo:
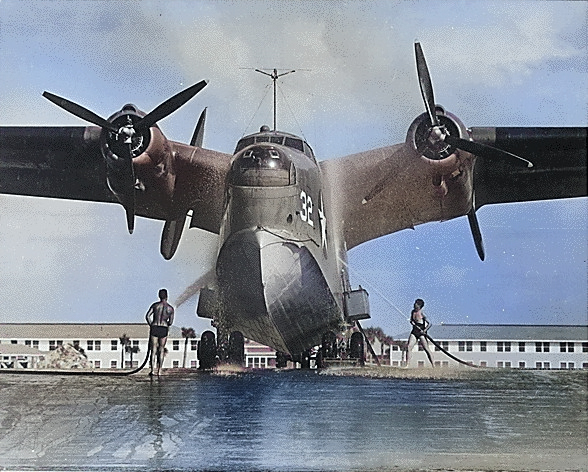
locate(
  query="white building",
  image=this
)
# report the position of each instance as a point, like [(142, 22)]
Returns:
[(100, 343), (506, 346)]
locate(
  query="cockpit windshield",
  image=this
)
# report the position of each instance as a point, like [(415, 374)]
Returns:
[(287, 140)]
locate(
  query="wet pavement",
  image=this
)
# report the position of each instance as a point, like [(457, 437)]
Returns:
[(387, 419)]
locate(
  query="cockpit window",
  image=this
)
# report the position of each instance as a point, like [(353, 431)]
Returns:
[(243, 143), (294, 143), (291, 142)]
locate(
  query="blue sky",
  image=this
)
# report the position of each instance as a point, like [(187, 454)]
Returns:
[(521, 63)]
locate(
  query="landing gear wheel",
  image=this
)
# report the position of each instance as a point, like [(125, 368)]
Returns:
[(207, 351), (329, 345), (281, 360), (236, 354), (305, 359), (356, 349)]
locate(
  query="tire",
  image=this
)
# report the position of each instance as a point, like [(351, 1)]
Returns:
[(236, 354), (207, 351)]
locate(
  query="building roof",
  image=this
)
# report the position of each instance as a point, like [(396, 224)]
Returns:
[(75, 331), (19, 349), (483, 332)]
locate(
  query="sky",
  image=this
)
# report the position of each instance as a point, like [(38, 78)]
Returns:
[(501, 63)]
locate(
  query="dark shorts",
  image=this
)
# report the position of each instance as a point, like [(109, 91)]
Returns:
[(158, 331), (417, 332)]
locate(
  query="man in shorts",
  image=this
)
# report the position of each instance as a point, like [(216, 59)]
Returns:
[(160, 317)]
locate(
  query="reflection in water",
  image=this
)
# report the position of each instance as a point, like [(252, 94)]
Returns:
[(295, 421)]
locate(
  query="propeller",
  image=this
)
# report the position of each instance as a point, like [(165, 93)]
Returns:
[(440, 141), (439, 133), (122, 182)]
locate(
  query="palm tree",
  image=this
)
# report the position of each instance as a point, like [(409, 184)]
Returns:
[(187, 333), (132, 350), (124, 342)]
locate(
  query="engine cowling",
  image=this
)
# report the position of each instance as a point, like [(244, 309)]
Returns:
[(437, 153), (152, 167)]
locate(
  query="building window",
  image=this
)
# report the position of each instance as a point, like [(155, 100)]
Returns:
[(14, 341), (566, 347), (421, 364), (503, 346), (543, 365), (567, 365), (90, 345), (522, 365), (584, 347), (176, 364), (193, 363), (483, 364), (193, 344), (522, 347), (584, 365), (483, 346), (53, 344), (443, 344), (504, 364), (97, 364), (113, 345), (136, 343), (461, 346), (541, 347), (469, 346), (176, 345), (113, 364)]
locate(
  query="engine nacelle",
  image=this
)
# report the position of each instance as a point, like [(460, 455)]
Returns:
[(152, 166), (440, 155)]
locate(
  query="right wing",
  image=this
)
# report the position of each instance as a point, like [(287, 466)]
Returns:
[(559, 165), (68, 163)]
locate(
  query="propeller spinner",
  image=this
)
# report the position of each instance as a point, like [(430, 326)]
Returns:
[(126, 134)]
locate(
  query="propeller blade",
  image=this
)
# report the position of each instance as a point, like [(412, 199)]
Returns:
[(476, 233), (425, 84), (80, 112), (130, 204), (483, 150), (169, 106), (198, 136)]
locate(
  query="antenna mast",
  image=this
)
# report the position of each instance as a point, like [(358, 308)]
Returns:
[(274, 76)]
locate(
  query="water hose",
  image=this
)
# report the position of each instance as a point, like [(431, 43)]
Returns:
[(448, 353)]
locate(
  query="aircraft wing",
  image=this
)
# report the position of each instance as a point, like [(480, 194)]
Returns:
[(67, 162), (411, 196), (559, 165)]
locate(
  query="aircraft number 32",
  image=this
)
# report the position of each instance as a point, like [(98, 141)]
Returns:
[(306, 211)]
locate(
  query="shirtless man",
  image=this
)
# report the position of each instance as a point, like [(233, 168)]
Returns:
[(160, 317), (420, 325)]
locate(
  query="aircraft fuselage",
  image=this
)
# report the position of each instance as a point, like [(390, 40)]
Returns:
[(279, 277)]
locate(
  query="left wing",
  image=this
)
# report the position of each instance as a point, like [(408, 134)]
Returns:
[(412, 189), (445, 170)]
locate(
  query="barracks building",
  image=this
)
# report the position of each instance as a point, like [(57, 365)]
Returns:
[(29, 345), (503, 346)]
